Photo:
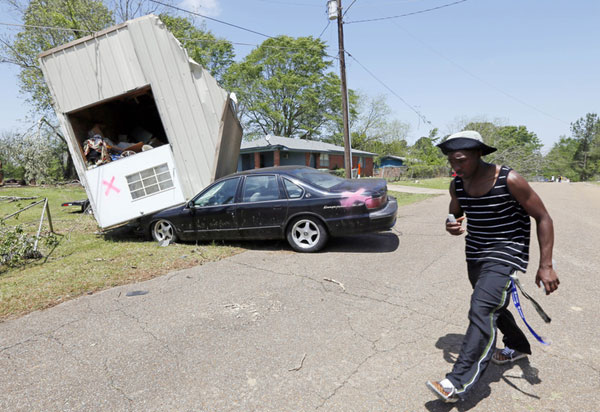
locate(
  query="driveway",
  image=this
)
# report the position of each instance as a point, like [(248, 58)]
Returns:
[(359, 327)]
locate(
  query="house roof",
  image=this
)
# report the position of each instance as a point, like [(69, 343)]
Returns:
[(394, 157), (295, 145)]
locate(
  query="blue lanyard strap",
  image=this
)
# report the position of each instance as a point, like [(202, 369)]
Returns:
[(515, 295)]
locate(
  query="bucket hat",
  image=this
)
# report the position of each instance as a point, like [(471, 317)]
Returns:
[(465, 140)]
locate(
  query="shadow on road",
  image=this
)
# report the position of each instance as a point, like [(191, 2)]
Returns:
[(379, 242), (509, 373), (383, 242)]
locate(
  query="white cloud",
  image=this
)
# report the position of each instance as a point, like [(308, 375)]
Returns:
[(206, 7)]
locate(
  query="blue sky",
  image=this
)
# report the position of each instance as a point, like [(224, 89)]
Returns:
[(533, 63)]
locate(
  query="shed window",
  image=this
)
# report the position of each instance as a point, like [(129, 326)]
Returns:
[(149, 181), (324, 160)]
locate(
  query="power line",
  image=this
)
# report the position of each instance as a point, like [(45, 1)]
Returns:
[(212, 19), (348, 8), (404, 15), (328, 23), (45, 27), (421, 116), (187, 39), (479, 78)]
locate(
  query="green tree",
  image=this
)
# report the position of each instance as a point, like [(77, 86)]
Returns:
[(559, 161), (76, 18), (586, 131), (216, 55), (284, 88), (517, 147), (374, 131), (32, 156), (425, 158)]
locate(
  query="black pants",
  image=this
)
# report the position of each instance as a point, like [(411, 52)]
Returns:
[(489, 302)]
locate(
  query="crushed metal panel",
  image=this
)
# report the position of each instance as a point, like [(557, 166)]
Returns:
[(115, 64), (91, 71), (229, 146)]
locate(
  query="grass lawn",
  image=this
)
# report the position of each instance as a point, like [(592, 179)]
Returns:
[(434, 183), (87, 260), (408, 198)]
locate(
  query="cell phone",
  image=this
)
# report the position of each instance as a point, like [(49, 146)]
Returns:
[(451, 218)]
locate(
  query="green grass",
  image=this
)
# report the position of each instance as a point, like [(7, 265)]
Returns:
[(408, 198), (434, 183), (85, 260)]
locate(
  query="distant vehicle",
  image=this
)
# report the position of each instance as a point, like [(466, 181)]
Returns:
[(84, 204), (301, 204)]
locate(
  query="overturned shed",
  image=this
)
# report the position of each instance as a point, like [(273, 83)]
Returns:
[(147, 127)]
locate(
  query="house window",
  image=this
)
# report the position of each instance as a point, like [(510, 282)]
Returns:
[(324, 160), (150, 181)]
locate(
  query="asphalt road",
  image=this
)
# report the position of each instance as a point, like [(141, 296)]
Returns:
[(359, 327)]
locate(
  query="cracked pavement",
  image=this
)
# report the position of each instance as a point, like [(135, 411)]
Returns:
[(264, 330)]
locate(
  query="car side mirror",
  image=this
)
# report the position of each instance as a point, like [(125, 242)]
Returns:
[(190, 204)]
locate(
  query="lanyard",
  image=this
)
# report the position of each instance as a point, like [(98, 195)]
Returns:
[(514, 280)]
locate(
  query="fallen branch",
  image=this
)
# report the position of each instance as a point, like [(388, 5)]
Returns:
[(15, 198), (336, 282), (300, 366)]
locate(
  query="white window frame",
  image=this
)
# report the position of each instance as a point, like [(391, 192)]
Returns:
[(159, 176), (324, 159)]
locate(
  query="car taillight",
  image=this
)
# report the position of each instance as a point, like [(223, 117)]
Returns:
[(375, 202)]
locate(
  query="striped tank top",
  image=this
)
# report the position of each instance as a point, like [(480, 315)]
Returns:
[(498, 228)]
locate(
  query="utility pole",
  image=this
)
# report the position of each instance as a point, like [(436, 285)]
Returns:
[(347, 150)]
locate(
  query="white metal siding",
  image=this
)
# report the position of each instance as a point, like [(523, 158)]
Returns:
[(113, 204), (92, 71)]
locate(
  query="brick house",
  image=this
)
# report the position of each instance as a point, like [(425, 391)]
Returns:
[(282, 151)]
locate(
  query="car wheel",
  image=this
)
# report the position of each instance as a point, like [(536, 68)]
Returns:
[(163, 230), (306, 234)]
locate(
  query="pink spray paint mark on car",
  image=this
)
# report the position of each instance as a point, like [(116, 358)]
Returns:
[(350, 198)]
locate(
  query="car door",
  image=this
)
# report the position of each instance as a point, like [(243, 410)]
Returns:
[(263, 207), (214, 211)]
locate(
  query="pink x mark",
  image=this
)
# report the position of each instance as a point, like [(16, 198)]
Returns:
[(110, 186), (351, 197)]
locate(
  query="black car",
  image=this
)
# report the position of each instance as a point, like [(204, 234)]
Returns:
[(302, 204)]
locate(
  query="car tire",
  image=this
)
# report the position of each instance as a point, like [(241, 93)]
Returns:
[(163, 230), (306, 234)]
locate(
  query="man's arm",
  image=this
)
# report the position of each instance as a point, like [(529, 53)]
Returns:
[(455, 228), (534, 206)]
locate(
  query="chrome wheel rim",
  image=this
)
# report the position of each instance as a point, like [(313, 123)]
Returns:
[(305, 233), (163, 230)]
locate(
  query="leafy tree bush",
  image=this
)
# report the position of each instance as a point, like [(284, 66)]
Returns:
[(16, 246), (284, 88)]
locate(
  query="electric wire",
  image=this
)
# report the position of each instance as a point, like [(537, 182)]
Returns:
[(419, 114), (187, 39), (485, 82), (348, 8), (323, 31), (212, 19), (406, 14), (45, 27)]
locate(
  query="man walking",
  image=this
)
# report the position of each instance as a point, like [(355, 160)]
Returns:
[(498, 203)]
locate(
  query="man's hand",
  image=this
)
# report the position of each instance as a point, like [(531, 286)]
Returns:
[(455, 228), (547, 277)]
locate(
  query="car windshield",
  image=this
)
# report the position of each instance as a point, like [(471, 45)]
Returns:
[(319, 179)]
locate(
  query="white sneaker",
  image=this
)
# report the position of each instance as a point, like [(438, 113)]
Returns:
[(507, 355)]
